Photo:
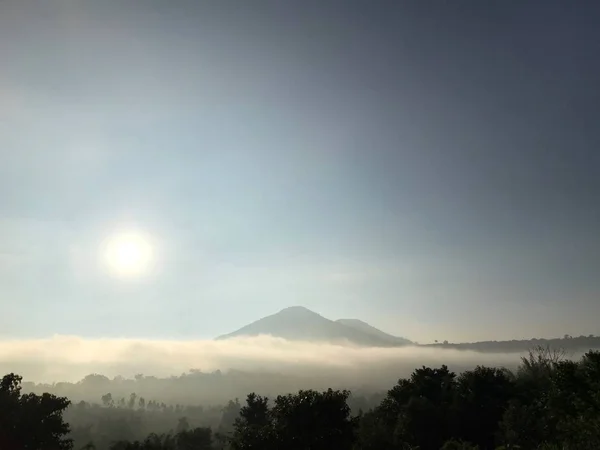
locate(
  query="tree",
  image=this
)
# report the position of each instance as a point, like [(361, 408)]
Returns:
[(416, 412), (376, 431), (196, 439), (315, 420), (482, 396), (547, 399), (107, 400), (306, 420), (459, 445), (132, 399), (253, 429), (95, 380), (30, 421), (182, 425), (230, 414)]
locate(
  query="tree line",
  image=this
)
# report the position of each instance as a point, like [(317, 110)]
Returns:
[(568, 343), (548, 403)]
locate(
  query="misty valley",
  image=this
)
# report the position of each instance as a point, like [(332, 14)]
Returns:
[(306, 382), (548, 402)]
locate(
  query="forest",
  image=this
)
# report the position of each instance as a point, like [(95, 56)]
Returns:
[(549, 402)]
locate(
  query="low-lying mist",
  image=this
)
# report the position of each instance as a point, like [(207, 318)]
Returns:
[(70, 358), (209, 372)]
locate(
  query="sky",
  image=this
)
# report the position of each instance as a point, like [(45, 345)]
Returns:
[(430, 167)]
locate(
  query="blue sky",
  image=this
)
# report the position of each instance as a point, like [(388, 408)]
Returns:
[(429, 168)]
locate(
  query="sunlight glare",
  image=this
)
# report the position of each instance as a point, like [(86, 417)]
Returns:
[(128, 254)]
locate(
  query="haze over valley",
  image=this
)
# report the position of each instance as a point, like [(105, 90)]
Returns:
[(292, 349)]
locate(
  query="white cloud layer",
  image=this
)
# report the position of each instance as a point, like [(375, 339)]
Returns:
[(70, 358)]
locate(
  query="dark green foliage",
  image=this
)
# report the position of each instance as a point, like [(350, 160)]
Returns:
[(550, 403), (482, 396), (556, 404), (254, 427), (196, 439), (316, 420), (306, 420), (30, 421), (458, 445), (411, 410), (230, 413)]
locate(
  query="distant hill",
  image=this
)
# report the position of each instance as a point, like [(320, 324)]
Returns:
[(366, 328), (297, 323), (569, 344)]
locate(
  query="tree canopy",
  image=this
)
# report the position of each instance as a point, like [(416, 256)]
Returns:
[(549, 403), (30, 421)]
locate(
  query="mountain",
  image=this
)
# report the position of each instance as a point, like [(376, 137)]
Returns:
[(297, 323), (371, 330), (301, 324)]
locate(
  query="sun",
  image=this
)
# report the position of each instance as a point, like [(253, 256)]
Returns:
[(128, 254)]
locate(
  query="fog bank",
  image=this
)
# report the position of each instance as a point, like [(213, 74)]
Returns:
[(70, 358)]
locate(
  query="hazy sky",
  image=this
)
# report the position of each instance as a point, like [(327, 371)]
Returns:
[(431, 167)]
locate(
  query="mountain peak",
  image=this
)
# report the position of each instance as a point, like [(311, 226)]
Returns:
[(302, 324), (297, 310)]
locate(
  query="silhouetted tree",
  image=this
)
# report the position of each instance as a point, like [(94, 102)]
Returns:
[(107, 400), (30, 421), (306, 420), (230, 414), (482, 396), (253, 429), (315, 420), (196, 439), (182, 425), (132, 399)]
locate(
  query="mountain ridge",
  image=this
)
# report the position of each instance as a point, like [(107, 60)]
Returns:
[(297, 323), (370, 329)]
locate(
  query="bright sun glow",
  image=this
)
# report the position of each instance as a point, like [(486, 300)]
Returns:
[(128, 254)]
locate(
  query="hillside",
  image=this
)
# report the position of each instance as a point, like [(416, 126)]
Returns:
[(297, 323), (371, 330), (569, 344)]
